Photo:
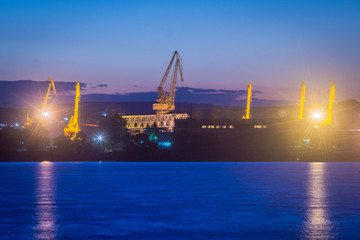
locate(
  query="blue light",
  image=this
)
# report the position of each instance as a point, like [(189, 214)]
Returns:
[(306, 140), (66, 119), (99, 138), (166, 144), (104, 114), (141, 142)]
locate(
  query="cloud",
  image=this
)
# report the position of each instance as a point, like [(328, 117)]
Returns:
[(100, 86)]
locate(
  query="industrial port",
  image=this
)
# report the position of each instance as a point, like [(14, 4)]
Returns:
[(187, 133)]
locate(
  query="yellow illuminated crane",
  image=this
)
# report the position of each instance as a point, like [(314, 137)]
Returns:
[(249, 97), (301, 115), (44, 112), (166, 100), (73, 126), (51, 84), (331, 101), (28, 120)]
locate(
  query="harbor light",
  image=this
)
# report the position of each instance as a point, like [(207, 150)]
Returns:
[(99, 138), (45, 114), (46, 162), (317, 116)]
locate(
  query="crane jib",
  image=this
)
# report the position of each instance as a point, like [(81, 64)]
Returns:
[(166, 100)]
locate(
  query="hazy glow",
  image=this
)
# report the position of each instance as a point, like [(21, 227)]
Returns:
[(317, 116), (46, 114), (46, 227), (317, 225)]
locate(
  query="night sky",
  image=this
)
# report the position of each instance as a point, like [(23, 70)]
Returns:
[(224, 44)]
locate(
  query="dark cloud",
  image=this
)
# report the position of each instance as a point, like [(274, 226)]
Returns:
[(188, 95), (27, 93), (216, 91), (100, 86)]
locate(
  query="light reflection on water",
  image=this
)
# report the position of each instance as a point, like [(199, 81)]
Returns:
[(46, 227), (317, 222)]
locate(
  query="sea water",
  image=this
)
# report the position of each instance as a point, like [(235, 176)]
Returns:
[(179, 200)]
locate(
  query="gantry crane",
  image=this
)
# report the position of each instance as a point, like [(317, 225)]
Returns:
[(44, 112), (249, 97), (73, 126), (166, 100), (301, 115)]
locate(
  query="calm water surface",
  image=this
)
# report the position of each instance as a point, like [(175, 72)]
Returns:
[(180, 200)]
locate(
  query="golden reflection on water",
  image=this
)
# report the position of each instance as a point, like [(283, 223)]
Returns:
[(46, 227), (317, 223)]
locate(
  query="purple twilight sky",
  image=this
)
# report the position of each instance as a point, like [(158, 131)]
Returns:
[(224, 44)]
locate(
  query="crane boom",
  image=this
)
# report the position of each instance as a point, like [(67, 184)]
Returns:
[(73, 126), (249, 97), (166, 100), (161, 93), (301, 115), (51, 84)]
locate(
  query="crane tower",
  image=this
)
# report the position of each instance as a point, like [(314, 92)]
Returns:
[(249, 97), (301, 115), (331, 101), (166, 100), (73, 126)]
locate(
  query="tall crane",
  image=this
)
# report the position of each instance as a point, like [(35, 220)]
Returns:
[(166, 100), (249, 97), (301, 115), (73, 126), (331, 101)]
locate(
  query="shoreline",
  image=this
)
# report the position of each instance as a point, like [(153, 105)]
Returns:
[(176, 157)]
